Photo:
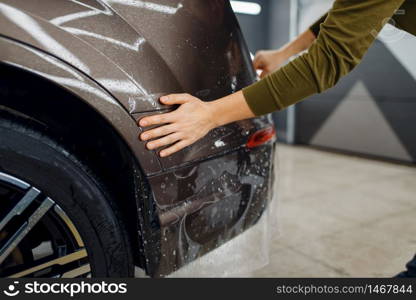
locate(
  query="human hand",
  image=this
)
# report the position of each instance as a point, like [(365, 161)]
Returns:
[(190, 122), (269, 61)]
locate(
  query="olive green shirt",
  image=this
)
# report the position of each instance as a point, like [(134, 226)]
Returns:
[(343, 37)]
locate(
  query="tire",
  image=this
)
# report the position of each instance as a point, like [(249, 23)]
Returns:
[(34, 158)]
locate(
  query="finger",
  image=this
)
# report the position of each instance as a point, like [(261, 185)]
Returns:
[(167, 140), (174, 148), (157, 120), (157, 132), (259, 66), (258, 60), (264, 74), (176, 99), (258, 63)]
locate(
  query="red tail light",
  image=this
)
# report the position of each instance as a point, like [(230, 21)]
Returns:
[(261, 137)]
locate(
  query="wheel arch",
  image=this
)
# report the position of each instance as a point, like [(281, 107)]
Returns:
[(81, 116)]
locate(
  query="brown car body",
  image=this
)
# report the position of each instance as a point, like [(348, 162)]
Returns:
[(119, 57)]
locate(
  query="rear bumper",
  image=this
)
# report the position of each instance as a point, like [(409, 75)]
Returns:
[(202, 206)]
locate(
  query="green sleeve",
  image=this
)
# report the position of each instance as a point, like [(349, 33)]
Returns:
[(347, 33), (316, 27), (402, 19)]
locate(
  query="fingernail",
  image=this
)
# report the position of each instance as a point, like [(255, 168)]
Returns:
[(150, 146), (143, 123), (162, 154), (144, 137), (164, 98)]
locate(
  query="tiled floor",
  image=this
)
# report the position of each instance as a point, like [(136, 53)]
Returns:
[(337, 216), (342, 216)]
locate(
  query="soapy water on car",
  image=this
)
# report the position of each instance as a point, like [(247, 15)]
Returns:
[(241, 256)]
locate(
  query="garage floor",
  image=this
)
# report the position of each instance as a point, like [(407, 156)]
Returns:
[(342, 216), (338, 216)]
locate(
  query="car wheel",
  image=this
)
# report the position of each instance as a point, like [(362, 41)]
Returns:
[(56, 219)]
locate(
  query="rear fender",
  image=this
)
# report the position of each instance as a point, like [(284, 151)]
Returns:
[(117, 57), (65, 76)]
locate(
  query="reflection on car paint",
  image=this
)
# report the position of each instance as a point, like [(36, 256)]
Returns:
[(28, 24), (132, 44), (53, 69), (165, 9), (134, 47)]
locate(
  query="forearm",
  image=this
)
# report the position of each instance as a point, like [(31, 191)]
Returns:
[(347, 33), (234, 107), (230, 109), (300, 44)]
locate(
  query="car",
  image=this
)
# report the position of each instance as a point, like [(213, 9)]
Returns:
[(81, 196)]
